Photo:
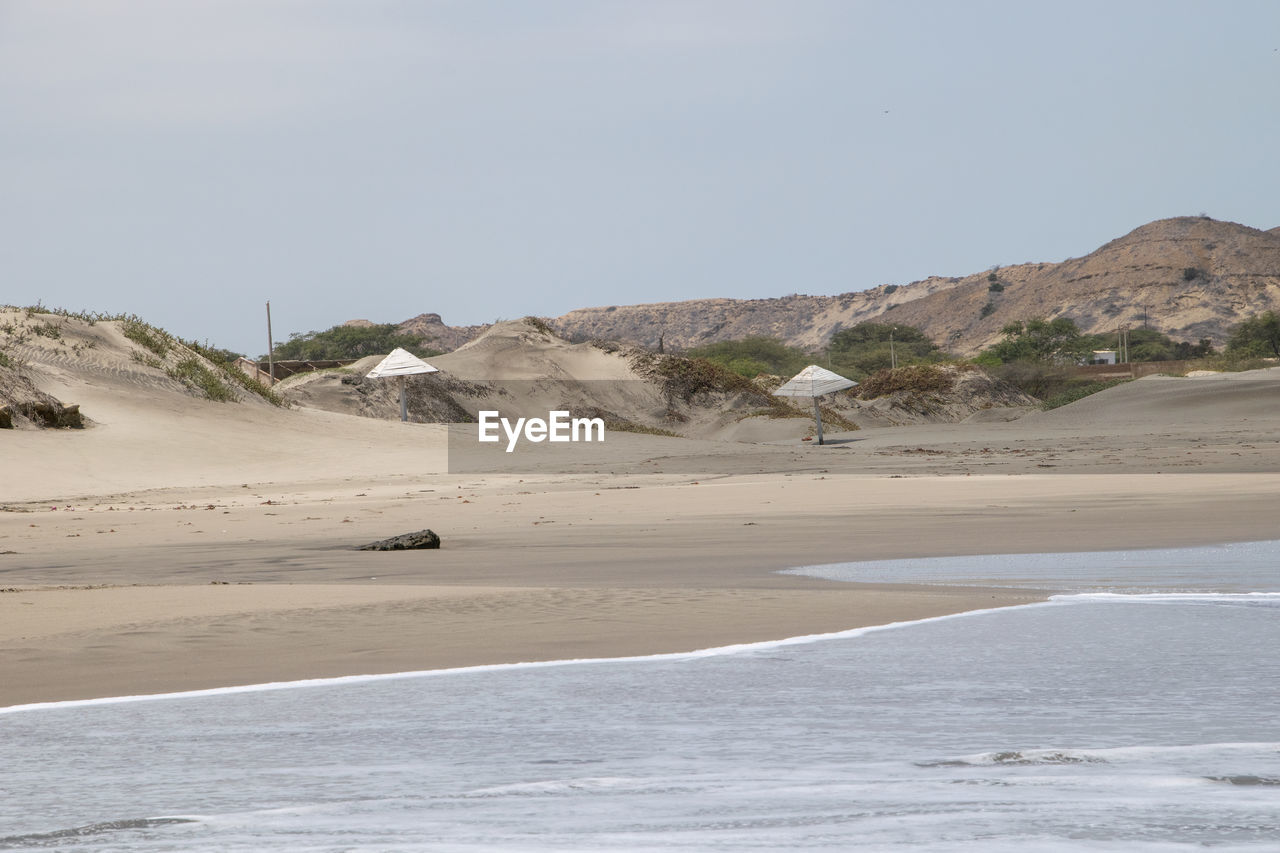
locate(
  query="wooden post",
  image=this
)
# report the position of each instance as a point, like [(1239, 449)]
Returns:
[(817, 416), (271, 348), (404, 401)]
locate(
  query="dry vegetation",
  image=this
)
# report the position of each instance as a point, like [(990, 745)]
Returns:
[(915, 378)]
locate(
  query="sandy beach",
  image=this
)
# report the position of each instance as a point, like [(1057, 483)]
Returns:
[(181, 544)]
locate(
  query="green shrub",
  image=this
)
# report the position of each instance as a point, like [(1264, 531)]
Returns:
[(146, 335), (141, 357), (350, 342), (750, 357), (1235, 362), (1185, 350), (1256, 336), (90, 317), (1149, 345), (1040, 340), (749, 367), (864, 348), (224, 361), (191, 372), (48, 330)]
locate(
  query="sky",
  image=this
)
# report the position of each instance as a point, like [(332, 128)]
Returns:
[(378, 159)]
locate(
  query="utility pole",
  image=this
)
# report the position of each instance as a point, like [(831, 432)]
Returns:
[(271, 348), (893, 359)]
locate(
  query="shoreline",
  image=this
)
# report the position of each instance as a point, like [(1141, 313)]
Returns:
[(366, 678), (166, 639)]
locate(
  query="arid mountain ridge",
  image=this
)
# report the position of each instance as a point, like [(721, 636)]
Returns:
[(1188, 277)]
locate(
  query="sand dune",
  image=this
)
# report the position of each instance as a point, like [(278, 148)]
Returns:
[(1212, 399), (523, 370), (180, 543)]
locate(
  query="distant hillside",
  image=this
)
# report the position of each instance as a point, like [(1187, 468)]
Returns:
[(1189, 277)]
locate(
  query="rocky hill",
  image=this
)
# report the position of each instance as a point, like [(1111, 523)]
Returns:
[(436, 335), (1189, 277)]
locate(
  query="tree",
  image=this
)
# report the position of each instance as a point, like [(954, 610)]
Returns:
[(1052, 341), (867, 347), (1149, 345), (877, 333), (343, 342), (1186, 350), (1258, 336)]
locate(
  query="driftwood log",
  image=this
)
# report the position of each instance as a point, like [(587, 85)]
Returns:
[(404, 542)]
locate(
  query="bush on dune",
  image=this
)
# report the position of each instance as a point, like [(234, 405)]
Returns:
[(750, 357), (914, 378), (348, 342)]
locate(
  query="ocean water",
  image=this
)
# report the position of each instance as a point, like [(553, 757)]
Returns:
[(1234, 567), (1147, 720)]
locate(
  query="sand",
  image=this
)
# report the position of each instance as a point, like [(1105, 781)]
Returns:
[(181, 544)]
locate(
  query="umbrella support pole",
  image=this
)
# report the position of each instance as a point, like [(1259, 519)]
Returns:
[(817, 417), (404, 401)]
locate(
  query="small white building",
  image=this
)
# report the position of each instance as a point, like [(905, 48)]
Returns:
[(1103, 356)]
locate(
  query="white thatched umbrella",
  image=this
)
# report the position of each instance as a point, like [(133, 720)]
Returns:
[(813, 382), (400, 364)]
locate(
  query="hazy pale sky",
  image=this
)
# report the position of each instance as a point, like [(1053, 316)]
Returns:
[(187, 161)]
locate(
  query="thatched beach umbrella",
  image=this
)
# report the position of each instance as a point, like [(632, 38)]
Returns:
[(400, 364), (813, 382)]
